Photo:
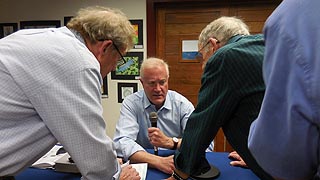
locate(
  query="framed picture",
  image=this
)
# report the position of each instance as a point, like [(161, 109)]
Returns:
[(125, 89), (138, 38), (105, 88), (130, 69), (66, 19), (39, 24), (7, 28)]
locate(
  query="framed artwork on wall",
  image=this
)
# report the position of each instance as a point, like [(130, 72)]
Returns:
[(66, 19), (105, 87), (39, 24), (130, 69), (125, 89), (7, 28), (138, 38)]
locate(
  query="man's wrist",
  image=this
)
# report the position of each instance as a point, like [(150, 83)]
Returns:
[(175, 143), (176, 176), (179, 175)]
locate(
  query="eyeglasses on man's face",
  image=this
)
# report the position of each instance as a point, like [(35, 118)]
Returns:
[(199, 54), (123, 64), (122, 60)]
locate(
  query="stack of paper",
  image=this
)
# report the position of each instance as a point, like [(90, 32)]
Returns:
[(49, 159)]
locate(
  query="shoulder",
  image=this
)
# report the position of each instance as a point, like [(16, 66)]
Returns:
[(177, 97)]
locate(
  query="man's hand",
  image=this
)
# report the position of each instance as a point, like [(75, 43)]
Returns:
[(237, 160), (171, 178), (159, 139), (129, 173), (166, 164)]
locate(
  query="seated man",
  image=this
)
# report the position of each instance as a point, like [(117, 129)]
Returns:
[(134, 133)]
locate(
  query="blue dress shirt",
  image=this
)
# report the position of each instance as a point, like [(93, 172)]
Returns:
[(132, 128), (285, 137)]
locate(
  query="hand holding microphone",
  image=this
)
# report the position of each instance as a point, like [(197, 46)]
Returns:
[(153, 117)]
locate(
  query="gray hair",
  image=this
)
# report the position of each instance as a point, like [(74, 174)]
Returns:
[(223, 29), (153, 62), (102, 23)]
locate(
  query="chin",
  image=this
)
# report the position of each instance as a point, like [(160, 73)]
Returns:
[(158, 101)]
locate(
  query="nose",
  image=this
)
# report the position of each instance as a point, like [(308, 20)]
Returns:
[(157, 87)]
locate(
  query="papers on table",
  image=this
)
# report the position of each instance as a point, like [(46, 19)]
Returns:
[(142, 169), (49, 159), (60, 162)]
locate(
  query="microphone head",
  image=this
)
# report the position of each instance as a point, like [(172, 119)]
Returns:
[(153, 117)]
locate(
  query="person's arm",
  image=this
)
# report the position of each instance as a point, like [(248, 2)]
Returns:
[(127, 130), (164, 164), (71, 109)]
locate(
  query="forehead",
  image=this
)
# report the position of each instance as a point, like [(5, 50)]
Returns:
[(155, 73)]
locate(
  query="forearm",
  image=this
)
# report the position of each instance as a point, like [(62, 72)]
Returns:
[(145, 157)]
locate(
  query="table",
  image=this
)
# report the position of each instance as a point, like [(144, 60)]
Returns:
[(218, 159)]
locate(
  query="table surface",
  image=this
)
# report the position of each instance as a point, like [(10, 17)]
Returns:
[(218, 159)]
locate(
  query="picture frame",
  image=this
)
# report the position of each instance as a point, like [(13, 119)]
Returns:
[(138, 38), (104, 88), (125, 89), (66, 19), (130, 69), (7, 29), (40, 24)]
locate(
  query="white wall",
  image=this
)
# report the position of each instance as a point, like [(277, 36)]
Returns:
[(13, 11)]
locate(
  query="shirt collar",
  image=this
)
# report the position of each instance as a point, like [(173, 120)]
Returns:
[(235, 38), (77, 35), (147, 103)]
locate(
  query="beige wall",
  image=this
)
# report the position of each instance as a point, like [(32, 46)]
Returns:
[(19, 10)]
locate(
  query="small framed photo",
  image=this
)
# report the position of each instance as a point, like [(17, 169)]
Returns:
[(138, 38), (130, 69), (66, 19), (125, 89), (104, 89), (7, 28), (39, 24)]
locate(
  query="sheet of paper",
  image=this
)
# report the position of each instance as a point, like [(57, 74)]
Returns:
[(142, 168), (48, 160)]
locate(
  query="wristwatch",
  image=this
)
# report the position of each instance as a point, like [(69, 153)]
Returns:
[(175, 142)]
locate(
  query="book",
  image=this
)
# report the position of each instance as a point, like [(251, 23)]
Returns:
[(65, 164)]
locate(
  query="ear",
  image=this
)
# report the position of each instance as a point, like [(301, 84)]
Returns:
[(104, 46), (214, 43), (141, 80)]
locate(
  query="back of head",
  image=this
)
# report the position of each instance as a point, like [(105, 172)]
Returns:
[(102, 23), (151, 63), (223, 29)]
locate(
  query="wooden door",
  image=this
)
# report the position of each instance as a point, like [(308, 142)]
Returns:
[(175, 22)]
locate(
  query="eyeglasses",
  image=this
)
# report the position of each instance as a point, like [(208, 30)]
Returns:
[(122, 60), (199, 54)]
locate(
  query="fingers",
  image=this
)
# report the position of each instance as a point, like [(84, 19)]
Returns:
[(129, 173), (234, 155), (238, 163), (120, 161)]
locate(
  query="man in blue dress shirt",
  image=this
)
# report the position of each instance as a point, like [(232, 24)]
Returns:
[(134, 133)]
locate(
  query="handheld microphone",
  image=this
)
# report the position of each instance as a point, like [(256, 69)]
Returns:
[(153, 117)]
